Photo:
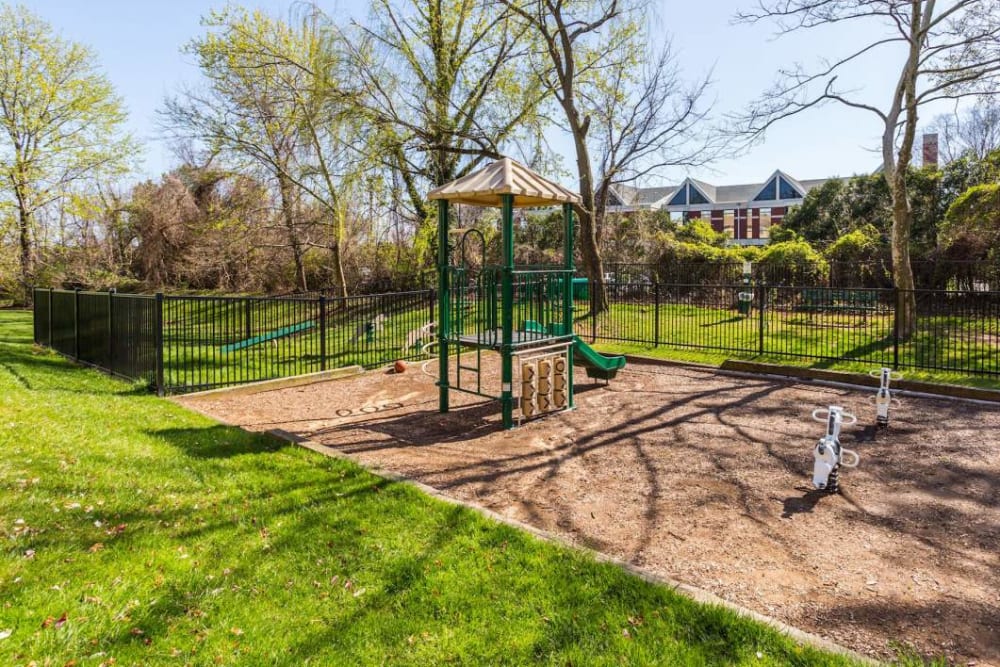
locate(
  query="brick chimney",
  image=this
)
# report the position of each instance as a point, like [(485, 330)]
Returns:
[(930, 150)]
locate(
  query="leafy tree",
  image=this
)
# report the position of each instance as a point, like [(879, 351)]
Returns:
[(444, 86), (946, 50), (61, 124), (795, 262), (859, 257), (972, 224)]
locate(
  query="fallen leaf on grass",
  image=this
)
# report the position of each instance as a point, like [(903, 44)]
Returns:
[(61, 621), (5, 633), (29, 554), (236, 631), (95, 547)]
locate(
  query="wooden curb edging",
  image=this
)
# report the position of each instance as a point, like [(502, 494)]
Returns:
[(822, 375), (278, 383), (687, 590)]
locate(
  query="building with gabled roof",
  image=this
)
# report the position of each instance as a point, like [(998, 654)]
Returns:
[(744, 212)]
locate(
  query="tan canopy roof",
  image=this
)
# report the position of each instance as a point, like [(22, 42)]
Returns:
[(504, 177)]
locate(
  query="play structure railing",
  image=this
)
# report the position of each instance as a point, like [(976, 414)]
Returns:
[(537, 298)]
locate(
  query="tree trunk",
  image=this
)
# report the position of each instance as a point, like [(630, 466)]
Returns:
[(288, 216), (587, 238), (902, 271), (26, 257), (338, 268), (895, 173)]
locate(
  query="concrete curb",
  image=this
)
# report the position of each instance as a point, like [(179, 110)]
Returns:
[(277, 383), (692, 592)]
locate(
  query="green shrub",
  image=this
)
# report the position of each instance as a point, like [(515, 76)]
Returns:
[(793, 263)]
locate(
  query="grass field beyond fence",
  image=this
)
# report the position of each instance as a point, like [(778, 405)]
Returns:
[(136, 532)]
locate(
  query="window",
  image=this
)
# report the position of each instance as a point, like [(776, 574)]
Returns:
[(676, 217), (769, 192), (728, 220), (765, 223), (788, 191), (696, 197), (681, 198)]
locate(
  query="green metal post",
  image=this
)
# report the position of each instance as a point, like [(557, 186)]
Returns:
[(444, 303), (568, 264), (507, 312)]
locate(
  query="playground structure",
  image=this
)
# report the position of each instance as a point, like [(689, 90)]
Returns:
[(519, 312), (829, 454)]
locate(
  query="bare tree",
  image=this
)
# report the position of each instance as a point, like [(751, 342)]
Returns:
[(945, 50), (627, 109), (648, 119), (974, 130)]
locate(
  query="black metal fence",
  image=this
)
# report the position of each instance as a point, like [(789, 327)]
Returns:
[(189, 343), (119, 333), (954, 330)]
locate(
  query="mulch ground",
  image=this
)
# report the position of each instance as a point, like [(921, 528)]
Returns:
[(705, 478)]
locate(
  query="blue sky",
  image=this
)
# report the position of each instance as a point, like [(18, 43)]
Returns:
[(138, 43)]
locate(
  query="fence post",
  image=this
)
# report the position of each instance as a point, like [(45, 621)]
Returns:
[(76, 324), (158, 326), (246, 318), (895, 327), (49, 342), (322, 332), (593, 313), (762, 307), (111, 331), (656, 314)]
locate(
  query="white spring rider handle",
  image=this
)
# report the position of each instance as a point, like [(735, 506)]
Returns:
[(883, 398), (828, 454)]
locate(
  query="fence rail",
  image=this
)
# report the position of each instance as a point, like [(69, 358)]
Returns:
[(188, 343)]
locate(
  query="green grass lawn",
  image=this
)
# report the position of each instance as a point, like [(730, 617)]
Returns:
[(136, 532)]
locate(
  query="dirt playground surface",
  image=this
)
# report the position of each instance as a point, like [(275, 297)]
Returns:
[(705, 478)]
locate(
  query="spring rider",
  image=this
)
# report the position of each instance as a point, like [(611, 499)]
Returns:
[(883, 397), (828, 454)]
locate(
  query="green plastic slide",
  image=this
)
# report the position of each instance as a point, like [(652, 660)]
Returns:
[(598, 365), (270, 335)]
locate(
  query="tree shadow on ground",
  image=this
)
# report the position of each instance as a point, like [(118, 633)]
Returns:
[(218, 441)]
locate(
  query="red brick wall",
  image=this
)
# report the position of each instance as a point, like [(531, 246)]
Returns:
[(717, 220)]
